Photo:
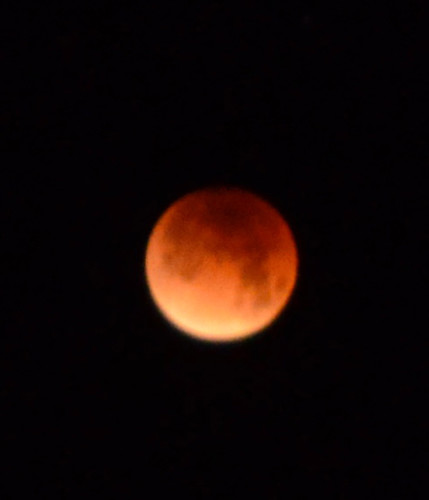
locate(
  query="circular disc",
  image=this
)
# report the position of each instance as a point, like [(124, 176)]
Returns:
[(221, 264)]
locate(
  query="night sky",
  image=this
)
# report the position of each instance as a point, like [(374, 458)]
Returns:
[(114, 111)]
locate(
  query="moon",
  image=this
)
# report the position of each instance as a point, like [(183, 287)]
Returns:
[(221, 264)]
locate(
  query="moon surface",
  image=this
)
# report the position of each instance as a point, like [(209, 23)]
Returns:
[(221, 264)]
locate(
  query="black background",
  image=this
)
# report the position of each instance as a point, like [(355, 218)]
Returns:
[(112, 112)]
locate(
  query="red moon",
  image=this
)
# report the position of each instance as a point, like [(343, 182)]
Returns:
[(221, 264)]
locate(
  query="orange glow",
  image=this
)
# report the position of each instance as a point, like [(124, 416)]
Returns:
[(221, 264)]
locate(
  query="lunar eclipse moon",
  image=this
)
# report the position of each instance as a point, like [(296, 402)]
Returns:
[(221, 264)]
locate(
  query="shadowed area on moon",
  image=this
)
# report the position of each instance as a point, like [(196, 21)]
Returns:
[(231, 248), (227, 229)]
